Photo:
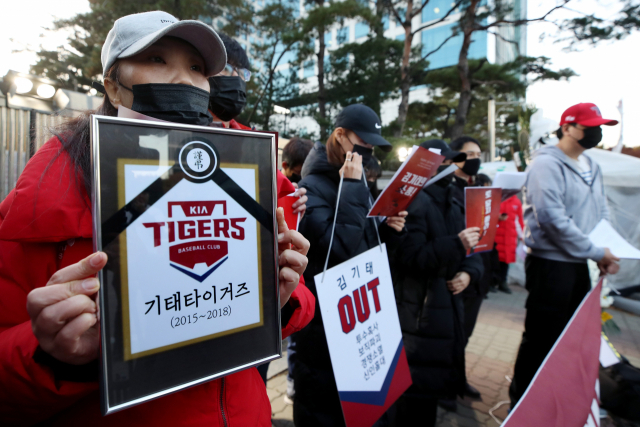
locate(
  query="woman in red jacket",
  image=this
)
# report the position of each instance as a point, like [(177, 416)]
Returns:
[(48, 326), (507, 238)]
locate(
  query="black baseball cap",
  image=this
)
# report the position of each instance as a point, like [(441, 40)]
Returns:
[(365, 123), (445, 150)]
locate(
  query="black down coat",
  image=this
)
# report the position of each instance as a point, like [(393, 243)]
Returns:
[(316, 400), (431, 317)]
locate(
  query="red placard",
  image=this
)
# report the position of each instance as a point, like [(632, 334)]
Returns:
[(482, 207), (405, 185), (290, 217)]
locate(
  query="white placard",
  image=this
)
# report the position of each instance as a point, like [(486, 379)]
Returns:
[(605, 236), (204, 245), (360, 318), (446, 172), (607, 355)]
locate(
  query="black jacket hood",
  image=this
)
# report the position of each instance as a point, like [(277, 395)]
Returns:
[(317, 163)]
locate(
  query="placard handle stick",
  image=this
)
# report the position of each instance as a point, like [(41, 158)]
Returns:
[(373, 217), (335, 216), (333, 228)]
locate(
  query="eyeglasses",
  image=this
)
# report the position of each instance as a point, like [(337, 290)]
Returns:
[(243, 73)]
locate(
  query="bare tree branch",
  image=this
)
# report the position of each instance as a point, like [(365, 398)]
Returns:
[(272, 71), (419, 10), (501, 37), (441, 44), (395, 12), (431, 24), (519, 22)]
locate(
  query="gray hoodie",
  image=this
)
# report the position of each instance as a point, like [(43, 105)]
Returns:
[(561, 208)]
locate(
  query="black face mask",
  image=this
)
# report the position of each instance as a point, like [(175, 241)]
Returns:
[(365, 152), (176, 103), (592, 137), (471, 167), (295, 177), (228, 96)]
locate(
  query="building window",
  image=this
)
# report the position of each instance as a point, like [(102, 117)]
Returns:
[(448, 54), (436, 9), (362, 30), (286, 58), (342, 35), (327, 39)]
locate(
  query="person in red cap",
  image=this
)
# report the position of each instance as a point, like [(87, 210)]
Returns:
[(563, 201)]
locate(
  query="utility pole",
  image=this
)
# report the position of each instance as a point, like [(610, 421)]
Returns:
[(491, 117)]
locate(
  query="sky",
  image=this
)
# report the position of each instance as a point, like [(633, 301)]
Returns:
[(607, 72)]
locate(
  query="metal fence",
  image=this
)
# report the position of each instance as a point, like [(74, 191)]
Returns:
[(22, 133)]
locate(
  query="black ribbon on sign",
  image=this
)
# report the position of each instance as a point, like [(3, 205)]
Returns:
[(118, 223)]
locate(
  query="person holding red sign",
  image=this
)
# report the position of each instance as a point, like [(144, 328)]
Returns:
[(564, 200), (432, 269), (349, 147), (49, 331)]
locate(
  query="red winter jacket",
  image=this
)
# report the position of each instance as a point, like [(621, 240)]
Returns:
[(506, 234), (45, 225)]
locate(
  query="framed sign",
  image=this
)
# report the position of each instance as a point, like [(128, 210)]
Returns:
[(186, 215)]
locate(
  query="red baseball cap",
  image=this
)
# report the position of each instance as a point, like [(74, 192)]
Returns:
[(585, 114)]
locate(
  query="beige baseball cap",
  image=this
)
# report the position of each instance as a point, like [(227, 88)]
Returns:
[(132, 34)]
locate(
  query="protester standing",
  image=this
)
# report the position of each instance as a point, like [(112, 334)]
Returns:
[(293, 156), (563, 201), (227, 99), (49, 334), (350, 145), (507, 238), (228, 95), (473, 295), (466, 173), (432, 269)]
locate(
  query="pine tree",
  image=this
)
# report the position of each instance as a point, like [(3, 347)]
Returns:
[(77, 65)]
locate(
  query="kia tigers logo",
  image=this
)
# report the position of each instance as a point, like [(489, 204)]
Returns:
[(197, 235)]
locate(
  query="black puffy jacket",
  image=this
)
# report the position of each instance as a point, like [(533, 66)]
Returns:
[(431, 317), (317, 402)]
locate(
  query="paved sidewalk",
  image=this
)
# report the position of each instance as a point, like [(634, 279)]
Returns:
[(490, 357)]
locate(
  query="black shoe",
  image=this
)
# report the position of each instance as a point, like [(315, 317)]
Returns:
[(471, 391), (448, 405), (493, 289), (504, 288)]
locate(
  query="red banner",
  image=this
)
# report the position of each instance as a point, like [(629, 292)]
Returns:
[(562, 393)]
